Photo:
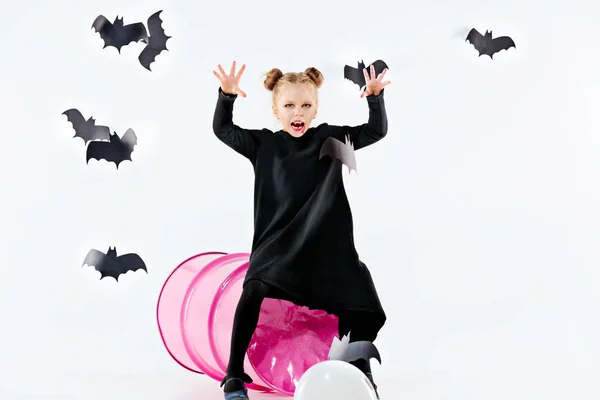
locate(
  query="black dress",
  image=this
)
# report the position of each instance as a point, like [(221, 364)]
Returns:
[(303, 241)]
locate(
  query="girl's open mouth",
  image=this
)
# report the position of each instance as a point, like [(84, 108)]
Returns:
[(298, 126)]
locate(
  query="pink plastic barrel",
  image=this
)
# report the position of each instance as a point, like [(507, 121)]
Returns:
[(195, 311), (195, 315), (220, 323), (168, 309), (288, 339)]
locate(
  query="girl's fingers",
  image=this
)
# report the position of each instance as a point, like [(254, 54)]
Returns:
[(382, 74), (222, 70), (241, 92), (232, 70), (215, 73), (241, 71)]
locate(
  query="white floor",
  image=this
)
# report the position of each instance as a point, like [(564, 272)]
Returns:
[(185, 386), (129, 387), (189, 386), (394, 384)]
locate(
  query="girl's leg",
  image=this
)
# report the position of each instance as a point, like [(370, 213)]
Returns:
[(244, 325), (362, 326)]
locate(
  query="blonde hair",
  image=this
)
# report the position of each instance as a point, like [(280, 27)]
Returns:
[(276, 79)]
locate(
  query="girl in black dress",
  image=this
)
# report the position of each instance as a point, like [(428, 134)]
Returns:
[(303, 246)]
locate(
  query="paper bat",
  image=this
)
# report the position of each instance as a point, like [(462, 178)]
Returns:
[(118, 35), (86, 129), (116, 150), (357, 76), (343, 350), (110, 265), (157, 42), (484, 44), (339, 151)]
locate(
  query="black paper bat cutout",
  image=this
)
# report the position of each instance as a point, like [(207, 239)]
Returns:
[(357, 76), (118, 35), (157, 42), (344, 350), (110, 265), (339, 151), (116, 150), (484, 44), (86, 129)]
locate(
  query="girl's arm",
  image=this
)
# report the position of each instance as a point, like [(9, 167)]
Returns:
[(369, 133), (243, 141)]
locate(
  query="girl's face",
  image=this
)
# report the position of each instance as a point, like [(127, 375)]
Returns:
[(296, 107)]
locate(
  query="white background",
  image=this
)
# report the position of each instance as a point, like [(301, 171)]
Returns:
[(477, 215)]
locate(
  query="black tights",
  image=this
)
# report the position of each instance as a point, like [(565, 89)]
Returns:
[(363, 325)]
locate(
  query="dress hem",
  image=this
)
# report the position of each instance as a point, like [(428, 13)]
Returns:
[(295, 299)]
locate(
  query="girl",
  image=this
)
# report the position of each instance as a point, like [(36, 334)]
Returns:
[(303, 246)]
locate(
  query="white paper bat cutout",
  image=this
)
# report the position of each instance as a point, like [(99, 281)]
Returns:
[(343, 350), (339, 151)]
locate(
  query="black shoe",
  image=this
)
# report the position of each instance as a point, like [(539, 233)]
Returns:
[(235, 388)]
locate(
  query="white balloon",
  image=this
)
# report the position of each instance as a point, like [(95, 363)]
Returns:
[(332, 380)]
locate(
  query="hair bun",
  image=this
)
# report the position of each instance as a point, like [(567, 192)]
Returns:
[(273, 76), (315, 75)]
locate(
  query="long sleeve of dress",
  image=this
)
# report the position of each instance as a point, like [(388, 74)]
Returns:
[(366, 134), (243, 141)]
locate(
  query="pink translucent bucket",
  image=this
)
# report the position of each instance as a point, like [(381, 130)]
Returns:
[(288, 339), (168, 309)]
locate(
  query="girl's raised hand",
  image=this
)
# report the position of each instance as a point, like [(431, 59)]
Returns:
[(229, 83), (374, 85)]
